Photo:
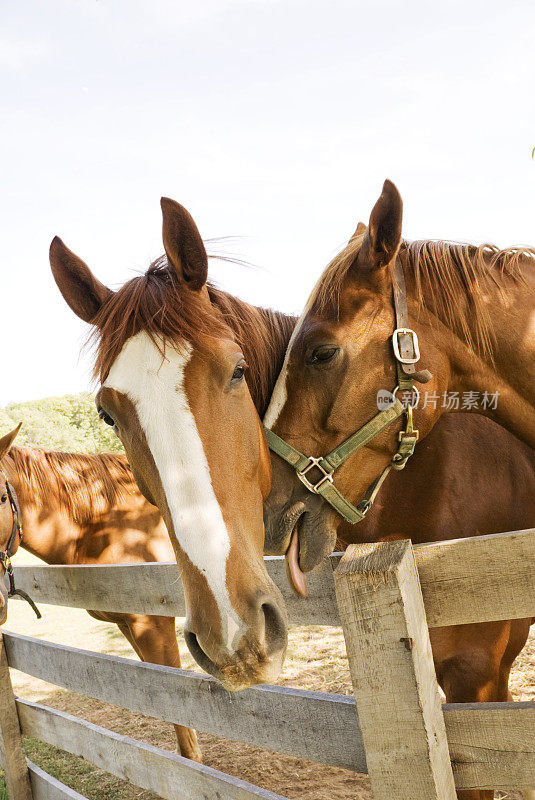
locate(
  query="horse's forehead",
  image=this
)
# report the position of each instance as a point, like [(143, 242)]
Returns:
[(143, 361), (153, 381)]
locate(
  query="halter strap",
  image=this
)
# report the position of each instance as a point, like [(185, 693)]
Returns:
[(15, 510), (407, 354), (5, 555)]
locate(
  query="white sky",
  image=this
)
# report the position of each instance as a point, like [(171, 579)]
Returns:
[(272, 121)]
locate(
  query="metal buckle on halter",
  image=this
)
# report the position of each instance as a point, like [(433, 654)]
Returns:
[(415, 347), (5, 560), (313, 487)]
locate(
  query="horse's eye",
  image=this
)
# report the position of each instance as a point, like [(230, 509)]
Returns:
[(323, 354), (239, 372), (105, 417), (3, 499)]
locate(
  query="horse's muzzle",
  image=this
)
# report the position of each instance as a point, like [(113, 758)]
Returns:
[(259, 653)]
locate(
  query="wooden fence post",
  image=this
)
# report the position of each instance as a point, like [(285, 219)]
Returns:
[(13, 759), (396, 691)]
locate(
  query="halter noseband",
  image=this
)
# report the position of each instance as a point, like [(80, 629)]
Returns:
[(406, 354), (5, 555)]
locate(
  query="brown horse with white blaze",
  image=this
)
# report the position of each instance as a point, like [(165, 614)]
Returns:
[(172, 384), (467, 477)]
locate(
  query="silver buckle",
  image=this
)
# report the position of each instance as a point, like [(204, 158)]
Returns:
[(415, 347), (313, 487)]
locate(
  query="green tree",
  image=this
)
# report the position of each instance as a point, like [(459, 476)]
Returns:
[(60, 423)]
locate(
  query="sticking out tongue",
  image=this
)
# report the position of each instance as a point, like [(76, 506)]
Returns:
[(295, 574)]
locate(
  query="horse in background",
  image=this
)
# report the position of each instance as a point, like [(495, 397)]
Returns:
[(87, 509)]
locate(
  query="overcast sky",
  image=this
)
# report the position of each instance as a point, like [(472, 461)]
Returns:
[(274, 122)]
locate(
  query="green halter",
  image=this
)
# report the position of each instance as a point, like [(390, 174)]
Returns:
[(406, 354)]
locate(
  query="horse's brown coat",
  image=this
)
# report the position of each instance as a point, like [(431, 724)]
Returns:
[(6, 518), (236, 624), (468, 476)]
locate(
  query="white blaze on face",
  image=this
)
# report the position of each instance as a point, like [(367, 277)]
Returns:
[(155, 386), (280, 395)]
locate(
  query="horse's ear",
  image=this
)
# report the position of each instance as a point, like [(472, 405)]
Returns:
[(183, 244), (84, 293), (7, 440), (383, 237)]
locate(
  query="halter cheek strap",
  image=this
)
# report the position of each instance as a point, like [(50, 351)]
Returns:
[(406, 354), (5, 555)]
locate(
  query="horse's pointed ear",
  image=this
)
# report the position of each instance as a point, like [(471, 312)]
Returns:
[(383, 238), (183, 244), (84, 293), (360, 231), (7, 440)]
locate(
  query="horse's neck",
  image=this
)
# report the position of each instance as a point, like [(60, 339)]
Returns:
[(264, 335), (503, 380), (47, 532)]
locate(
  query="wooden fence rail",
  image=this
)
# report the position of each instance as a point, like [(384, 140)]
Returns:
[(313, 725), (461, 581), (388, 594), (166, 774)]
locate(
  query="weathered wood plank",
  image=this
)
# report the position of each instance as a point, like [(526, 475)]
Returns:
[(46, 787), (156, 589), (392, 671), (167, 774), (312, 725), (492, 745), (461, 580), (12, 754)]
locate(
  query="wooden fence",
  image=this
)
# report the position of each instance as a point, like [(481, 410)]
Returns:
[(384, 595)]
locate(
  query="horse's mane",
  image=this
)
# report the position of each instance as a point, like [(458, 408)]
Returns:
[(454, 280), (84, 486), (157, 303)]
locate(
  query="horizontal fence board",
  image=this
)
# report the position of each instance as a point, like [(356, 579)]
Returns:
[(166, 774), (492, 745), (482, 579), (313, 725), (156, 589), (462, 582), (46, 787)]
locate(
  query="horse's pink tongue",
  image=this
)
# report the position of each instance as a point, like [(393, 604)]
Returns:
[(297, 576)]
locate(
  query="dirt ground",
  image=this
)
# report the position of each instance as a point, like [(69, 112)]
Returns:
[(316, 660)]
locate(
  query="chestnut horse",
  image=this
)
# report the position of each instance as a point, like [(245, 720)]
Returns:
[(79, 508), (472, 309), (171, 372), (9, 522), (467, 477)]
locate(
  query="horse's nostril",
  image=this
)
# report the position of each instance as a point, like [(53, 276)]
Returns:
[(275, 635), (199, 655)]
